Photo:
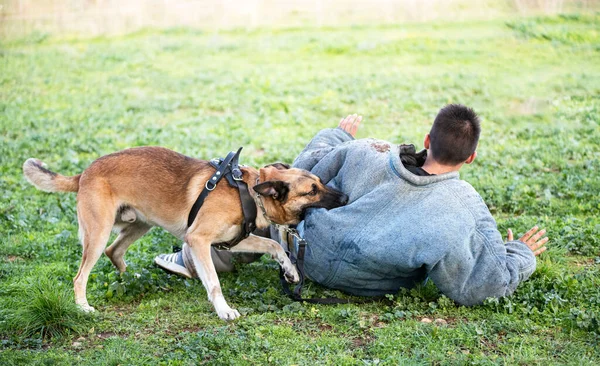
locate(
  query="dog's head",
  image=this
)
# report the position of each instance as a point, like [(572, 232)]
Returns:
[(288, 192)]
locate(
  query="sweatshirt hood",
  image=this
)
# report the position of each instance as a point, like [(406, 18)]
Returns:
[(398, 169)]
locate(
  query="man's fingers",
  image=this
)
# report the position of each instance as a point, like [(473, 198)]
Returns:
[(544, 240), (528, 234), (539, 251), (346, 123), (510, 235), (348, 120), (538, 235), (355, 125), (538, 244), (350, 123)]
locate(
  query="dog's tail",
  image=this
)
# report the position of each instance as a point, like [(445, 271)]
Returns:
[(47, 180)]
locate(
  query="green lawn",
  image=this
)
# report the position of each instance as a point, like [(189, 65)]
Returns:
[(535, 82)]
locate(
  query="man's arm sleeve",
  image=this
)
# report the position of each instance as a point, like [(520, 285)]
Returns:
[(484, 267), (322, 144)]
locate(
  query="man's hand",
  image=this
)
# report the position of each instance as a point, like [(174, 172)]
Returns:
[(533, 239), (350, 124)]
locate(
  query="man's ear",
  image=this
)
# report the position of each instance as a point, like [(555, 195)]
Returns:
[(279, 166), (277, 190), (471, 158), (427, 142)]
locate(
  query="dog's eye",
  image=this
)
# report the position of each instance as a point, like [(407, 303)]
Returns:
[(314, 190)]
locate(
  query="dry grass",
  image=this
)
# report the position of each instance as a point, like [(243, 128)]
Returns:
[(96, 17)]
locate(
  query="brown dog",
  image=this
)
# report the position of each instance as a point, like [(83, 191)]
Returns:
[(136, 189)]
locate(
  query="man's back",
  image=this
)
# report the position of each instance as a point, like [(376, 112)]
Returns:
[(399, 227)]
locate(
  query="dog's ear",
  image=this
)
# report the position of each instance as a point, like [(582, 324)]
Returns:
[(269, 173), (277, 190), (279, 166)]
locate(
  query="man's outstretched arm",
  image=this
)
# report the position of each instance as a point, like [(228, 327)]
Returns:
[(326, 140), (488, 267)]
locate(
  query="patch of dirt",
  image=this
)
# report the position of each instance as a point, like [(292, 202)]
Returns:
[(284, 322), (374, 321), (380, 147), (441, 321), (189, 329), (105, 335), (490, 345), (452, 321), (585, 262), (325, 327), (362, 341)]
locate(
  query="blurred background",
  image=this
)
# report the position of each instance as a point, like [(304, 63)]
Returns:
[(96, 17)]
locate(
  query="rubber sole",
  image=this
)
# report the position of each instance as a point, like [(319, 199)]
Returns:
[(172, 267)]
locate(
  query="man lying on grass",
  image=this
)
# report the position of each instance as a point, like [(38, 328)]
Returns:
[(408, 217)]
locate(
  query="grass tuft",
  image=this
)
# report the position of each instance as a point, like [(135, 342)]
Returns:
[(48, 311)]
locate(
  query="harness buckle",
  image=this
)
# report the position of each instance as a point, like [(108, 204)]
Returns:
[(223, 247), (214, 185), (236, 174), (295, 234)]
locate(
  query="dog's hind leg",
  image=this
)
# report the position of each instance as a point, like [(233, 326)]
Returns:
[(96, 218), (257, 244), (127, 236)]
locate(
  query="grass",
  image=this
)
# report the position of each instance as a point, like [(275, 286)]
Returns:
[(45, 308), (535, 83)]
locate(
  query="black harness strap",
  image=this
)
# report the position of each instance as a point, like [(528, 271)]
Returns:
[(229, 168), (296, 293), (210, 185), (248, 208), (248, 204)]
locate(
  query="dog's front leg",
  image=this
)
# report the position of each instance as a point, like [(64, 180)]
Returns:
[(208, 275), (257, 244)]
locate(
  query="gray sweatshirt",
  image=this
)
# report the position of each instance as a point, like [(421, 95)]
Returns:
[(398, 228)]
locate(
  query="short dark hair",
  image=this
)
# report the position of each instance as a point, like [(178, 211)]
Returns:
[(454, 134)]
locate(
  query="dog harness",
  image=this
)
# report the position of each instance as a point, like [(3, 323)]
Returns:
[(230, 169)]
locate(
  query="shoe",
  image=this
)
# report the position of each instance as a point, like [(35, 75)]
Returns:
[(173, 263)]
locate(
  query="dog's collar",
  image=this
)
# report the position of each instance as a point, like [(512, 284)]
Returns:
[(260, 204)]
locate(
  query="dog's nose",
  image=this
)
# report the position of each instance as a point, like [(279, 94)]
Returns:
[(344, 199)]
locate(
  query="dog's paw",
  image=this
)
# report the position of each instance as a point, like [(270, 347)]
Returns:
[(291, 275), (87, 308), (228, 314), (289, 270)]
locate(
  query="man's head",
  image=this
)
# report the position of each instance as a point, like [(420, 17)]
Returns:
[(454, 135)]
